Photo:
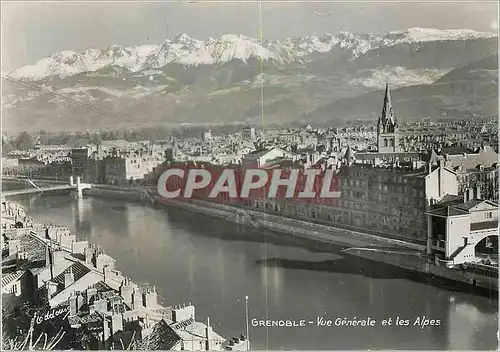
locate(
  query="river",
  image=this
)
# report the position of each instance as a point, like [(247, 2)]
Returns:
[(214, 265)]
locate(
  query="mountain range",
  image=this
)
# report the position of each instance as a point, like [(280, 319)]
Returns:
[(234, 78)]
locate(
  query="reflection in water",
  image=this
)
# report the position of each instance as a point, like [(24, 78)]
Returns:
[(190, 257), (276, 277), (82, 208), (467, 323), (220, 272)]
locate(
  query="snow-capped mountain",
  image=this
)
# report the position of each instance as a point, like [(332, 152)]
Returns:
[(188, 51), (221, 79)]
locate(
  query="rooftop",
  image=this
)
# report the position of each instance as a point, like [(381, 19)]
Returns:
[(79, 270), (456, 150), (9, 278), (455, 206)]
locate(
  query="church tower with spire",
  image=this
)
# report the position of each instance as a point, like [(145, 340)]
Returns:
[(387, 127)]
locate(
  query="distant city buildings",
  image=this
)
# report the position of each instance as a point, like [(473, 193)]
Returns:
[(206, 137), (249, 133)]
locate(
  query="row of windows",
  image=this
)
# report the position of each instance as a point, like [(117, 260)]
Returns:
[(380, 178), (404, 224), (378, 197), (362, 209), (384, 187)]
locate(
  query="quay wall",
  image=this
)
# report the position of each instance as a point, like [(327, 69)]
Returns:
[(130, 194), (419, 262), (258, 219)]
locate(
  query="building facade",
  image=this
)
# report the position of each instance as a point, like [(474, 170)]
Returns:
[(474, 168), (456, 227)]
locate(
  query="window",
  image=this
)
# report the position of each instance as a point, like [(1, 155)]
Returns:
[(489, 215)]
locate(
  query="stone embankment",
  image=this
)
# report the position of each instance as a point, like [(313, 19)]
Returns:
[(417, 261), (258, 219)]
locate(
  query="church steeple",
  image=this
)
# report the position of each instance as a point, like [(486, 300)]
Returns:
[(387, 126), (387, 120)]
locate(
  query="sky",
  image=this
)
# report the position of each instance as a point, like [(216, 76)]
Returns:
[(34, 30)]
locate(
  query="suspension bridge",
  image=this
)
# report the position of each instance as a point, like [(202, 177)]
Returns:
[(78, 187)]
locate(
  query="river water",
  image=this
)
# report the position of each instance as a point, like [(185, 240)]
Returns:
[(214, 265)]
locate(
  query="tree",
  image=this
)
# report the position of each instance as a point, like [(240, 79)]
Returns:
[(96, 139), (6, 146), (24, 141)]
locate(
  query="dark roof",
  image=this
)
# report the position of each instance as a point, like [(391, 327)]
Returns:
[(456, 150), (486, 157), (448, 211), (129, 336), (470, 204), (163, 337), (102, 287), (401, 155), (261, 151), (79, 270), (78, 256), (454, 205), (430, 157), (484, 225), (34, 247), (449, 198)]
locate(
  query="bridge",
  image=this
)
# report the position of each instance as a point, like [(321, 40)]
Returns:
[(78, 187)]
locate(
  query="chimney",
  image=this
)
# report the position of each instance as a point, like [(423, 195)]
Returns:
[(91, 293), (137, 299), (51, 289), (48, 258), (478, 192), (14, 245), (69, 278), (126, 291), (151, 298), (58, 257), (116, 323), (465, 196), (73, 307), (107, 273), (89, 254)]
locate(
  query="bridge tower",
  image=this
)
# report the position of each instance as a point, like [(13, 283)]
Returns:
[(79, 186), (79, 189)]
